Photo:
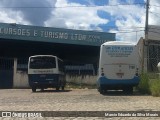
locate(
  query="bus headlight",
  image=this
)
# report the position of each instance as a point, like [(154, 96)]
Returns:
[(101, 69), (136, 72), (102, 74)]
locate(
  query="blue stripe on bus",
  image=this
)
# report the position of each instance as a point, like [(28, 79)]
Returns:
[(44, 79), (105, 81)]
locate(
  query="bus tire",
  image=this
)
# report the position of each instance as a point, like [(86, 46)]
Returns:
[(33, 89), (42, 89), (62, 87), (57, 88), (128, 90), (101, 91)]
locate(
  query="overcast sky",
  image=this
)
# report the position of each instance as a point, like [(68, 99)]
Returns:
[(127, 21)]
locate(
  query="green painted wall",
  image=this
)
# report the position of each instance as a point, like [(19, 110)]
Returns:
[(54, 35)]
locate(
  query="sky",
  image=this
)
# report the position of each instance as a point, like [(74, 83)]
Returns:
[(126, 18)]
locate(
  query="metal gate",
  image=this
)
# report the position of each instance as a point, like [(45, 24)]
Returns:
[(153, 57), (6, 72)]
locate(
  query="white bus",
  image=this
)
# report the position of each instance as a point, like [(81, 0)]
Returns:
[(118, 66), (46, 71)]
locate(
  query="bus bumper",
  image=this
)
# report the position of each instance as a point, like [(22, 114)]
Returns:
[(49, 81), (108, 84), (48, 84)]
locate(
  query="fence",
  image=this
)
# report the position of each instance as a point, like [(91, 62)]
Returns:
[(86, 69), (6, 63), (6, 72), (75, 74), (153, 56)]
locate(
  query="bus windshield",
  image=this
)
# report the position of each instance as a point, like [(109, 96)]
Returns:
[(44, 62)]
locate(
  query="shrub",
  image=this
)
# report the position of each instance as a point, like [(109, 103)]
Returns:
[(153, 75), (143, 86), (155, 87)]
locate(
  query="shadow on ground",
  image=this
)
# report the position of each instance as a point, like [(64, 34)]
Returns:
[(51, 91), (121, 93)]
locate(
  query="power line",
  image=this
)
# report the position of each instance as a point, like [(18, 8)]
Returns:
[(124, 27), (153, 28), (127, 29), (130, 31), (118, 27), (157, 34), (155, 5), (157, 14), (44, 7), (154, 32)]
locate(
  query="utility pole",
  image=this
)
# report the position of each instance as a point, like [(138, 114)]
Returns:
[(146, 24), (146, 43)]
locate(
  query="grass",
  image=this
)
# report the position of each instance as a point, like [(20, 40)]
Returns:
[(155, 87), (143, 86), (80, 86), (149, 84)]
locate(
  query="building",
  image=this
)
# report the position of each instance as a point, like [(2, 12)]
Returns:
[(18, 42), (152, 48)]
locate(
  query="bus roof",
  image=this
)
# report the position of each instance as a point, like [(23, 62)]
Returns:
[(118, 43), (44, 56)]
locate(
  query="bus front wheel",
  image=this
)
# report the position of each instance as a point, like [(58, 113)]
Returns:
[(33, 89), (101, 91), (128, 90), (62, 87), (57, 88)]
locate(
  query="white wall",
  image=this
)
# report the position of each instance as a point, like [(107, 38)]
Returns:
[(142, 55), (20, 79), (154, 32), (90, 80)]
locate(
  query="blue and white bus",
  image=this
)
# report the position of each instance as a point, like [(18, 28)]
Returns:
[(118, 66), (45, 71)]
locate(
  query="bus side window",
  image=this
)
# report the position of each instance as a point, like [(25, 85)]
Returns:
[(60, 65)]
